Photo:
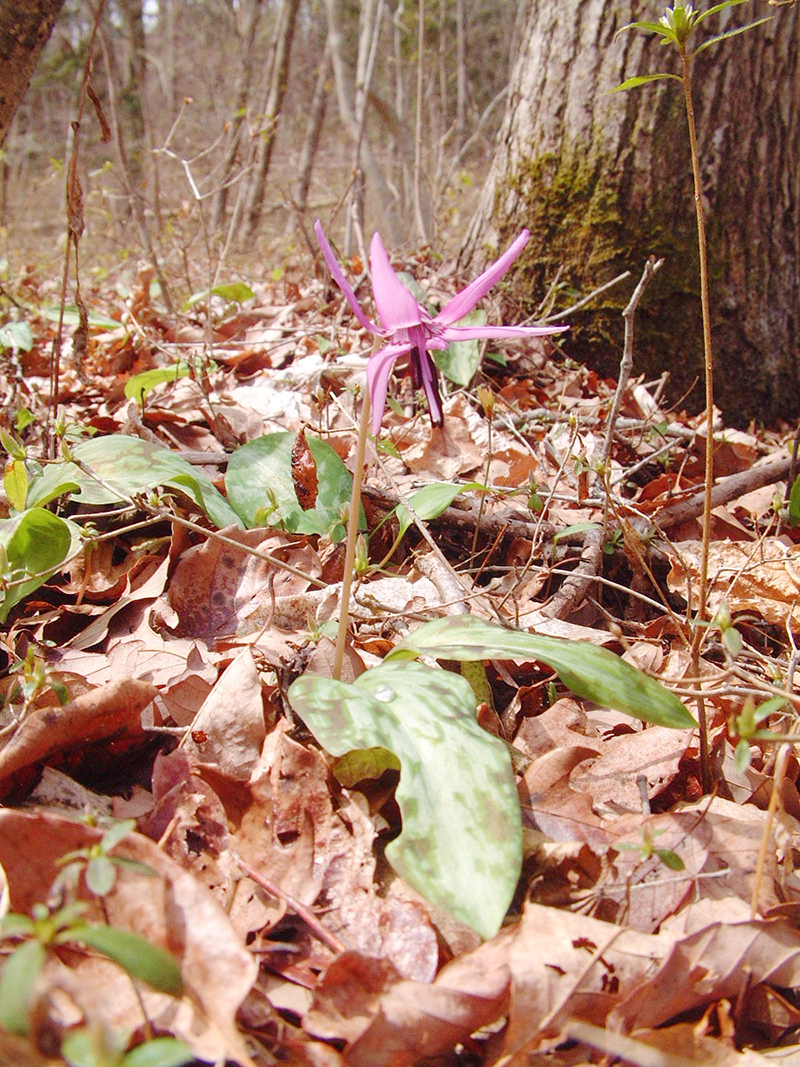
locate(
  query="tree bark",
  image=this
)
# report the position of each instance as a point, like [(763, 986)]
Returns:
[(603, 181), (25, 26), (279, 80)]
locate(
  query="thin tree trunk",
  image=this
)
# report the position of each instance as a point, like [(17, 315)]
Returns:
[(603, 181), (233, 145), (132, 92), (347, 114), (25, 26), (461, 73), (279, 80), (311, 141)]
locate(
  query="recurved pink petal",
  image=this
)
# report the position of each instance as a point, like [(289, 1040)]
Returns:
[(341, 281), (397, 308), (379, 367), (466, 300), (474, 333)]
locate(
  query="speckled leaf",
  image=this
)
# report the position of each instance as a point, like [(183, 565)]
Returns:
[(591, 672), (461, 844)]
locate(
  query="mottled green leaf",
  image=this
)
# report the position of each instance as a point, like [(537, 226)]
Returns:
[(461, 359), (16, 336), (461, 844), (591, 672), (129, 465), (72, 317)]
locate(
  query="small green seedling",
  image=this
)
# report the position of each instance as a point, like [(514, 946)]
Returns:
[(746, 726), (96, 864), (647, 848), (99, 1046), (45, 930)]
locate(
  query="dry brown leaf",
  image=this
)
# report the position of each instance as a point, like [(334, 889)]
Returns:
[(229, 729), (718, 961), (762, 578), (611, 780), (110, 711), (398, 1023), (549, 803), (215, 586)]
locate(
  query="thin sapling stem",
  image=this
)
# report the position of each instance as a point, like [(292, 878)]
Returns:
[(352, 535)]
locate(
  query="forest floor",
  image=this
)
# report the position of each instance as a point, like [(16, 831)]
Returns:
[(146, 679)]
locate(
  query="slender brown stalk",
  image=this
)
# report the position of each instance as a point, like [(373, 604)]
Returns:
[(702, 606), (352, 534)]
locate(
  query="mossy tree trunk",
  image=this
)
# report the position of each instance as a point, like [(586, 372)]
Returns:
[(25, 26), (603, 181)]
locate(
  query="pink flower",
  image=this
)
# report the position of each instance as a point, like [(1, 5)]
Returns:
[(408, 328)]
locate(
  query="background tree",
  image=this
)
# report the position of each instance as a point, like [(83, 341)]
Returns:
[(25, 26), (603, 181)]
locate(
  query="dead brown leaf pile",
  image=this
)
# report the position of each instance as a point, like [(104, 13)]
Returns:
[(644, 931)]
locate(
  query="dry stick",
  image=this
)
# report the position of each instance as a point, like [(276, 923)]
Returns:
[(708, 359), (726, 489), (352, 535), (626, 363), (300, 909), (74, 200)]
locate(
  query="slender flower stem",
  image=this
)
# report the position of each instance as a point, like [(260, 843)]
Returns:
[(702, 607), (352, 534)]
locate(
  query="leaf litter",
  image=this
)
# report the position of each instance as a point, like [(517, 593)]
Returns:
[(149, 675)]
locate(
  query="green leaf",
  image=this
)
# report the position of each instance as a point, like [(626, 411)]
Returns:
[(461, 359), (235, 292), (416, 290), (129, 465), (34, 543), (100, 875), (591, 672), (160, 1052), (641, 79), (260, 473), (651, 27), (138, 957), (431, 500), (15, 482), (232, 292), (461, 844), (718, 7), (364, 763), (730, 33), (14, 924), (137, 387), (577, 527), (670, 859), (16, 336), (20, 971), (116, 833), (87, 1048), (72, 317), (794, 503)]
